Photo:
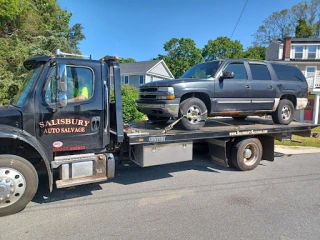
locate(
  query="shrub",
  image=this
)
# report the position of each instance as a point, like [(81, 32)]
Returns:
[(129, 95)]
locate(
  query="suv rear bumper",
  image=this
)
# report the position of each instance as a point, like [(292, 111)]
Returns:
[(301, 103), (169, 108)]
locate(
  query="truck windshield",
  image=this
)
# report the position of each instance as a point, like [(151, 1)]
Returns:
[(23, 92), (202, 70)]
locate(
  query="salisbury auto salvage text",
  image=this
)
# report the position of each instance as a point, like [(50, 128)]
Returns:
[(81, 125)]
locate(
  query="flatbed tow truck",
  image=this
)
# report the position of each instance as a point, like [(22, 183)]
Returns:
[(42, 130)]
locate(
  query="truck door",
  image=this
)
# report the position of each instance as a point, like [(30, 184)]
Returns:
[(233, 95), (76, 126), (263, 90)]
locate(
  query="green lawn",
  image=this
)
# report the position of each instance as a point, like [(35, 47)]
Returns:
[(305, 141)]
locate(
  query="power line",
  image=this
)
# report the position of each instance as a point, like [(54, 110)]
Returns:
[(239, 19)]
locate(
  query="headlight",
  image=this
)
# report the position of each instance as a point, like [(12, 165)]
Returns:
[(166, 90)]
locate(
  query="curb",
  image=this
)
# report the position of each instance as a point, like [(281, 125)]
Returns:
[(295, 150)]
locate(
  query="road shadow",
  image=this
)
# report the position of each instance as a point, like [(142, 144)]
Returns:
[(127, 173)]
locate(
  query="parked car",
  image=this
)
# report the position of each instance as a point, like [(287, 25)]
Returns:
[(232, 87)]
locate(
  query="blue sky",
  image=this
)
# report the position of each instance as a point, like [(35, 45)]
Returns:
[(139, 28)]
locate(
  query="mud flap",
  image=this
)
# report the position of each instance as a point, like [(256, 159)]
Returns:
[(218, 151)]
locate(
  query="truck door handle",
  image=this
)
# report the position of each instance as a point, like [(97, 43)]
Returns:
[(95, 124), (270, 87), (247, 86)]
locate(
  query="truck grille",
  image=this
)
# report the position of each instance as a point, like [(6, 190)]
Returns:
[(148, 93)]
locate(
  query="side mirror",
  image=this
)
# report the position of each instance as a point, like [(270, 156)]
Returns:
[(227, 75), (62, 82), (63, 99)]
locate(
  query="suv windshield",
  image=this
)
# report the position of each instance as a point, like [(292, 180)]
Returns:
[(202, 70), (23, 92)]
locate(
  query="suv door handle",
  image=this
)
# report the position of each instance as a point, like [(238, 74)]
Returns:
[(270, 87), (247, 86)]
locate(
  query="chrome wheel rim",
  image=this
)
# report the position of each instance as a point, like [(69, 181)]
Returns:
[(194, 114), (12, 186), (285, 113), (250, 154)]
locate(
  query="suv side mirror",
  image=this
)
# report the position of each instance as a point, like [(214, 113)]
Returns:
[(227, 75)]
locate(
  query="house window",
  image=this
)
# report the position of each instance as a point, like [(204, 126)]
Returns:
[(141, 80), (298, 52), (151, 78), (312, 50), (126, 79)]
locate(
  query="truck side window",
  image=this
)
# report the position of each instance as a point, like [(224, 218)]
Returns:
[(80, 85), (238, 69), (259, 72)]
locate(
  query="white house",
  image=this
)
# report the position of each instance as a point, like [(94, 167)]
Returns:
[(139, 73), (305, 54)]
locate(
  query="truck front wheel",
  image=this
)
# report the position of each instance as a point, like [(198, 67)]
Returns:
[(246, 154), (18, 184), (194, 112)]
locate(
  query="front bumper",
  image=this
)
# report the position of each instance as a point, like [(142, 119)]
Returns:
[(159, 109)]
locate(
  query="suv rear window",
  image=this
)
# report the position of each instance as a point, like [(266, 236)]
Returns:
[(286, 72)]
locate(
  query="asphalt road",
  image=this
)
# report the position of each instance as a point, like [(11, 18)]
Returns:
[(192, 200)]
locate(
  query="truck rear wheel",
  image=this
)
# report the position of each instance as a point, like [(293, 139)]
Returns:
[(18, 184), (284, 113), (194, 112), (246, 154)]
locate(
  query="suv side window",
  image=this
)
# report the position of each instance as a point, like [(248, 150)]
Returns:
[(80, 85), (238, 69), (259, 72), (285, 72)]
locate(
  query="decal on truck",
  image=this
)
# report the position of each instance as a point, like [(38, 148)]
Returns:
[(72, 125)]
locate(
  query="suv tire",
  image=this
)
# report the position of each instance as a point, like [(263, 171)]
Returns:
[(195, 112), (284, 112)]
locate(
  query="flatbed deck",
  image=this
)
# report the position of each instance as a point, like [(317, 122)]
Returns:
[(141, 133)]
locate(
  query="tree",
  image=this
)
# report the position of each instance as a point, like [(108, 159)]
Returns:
[(181, 55), (303, 30), (304, 16), (255, 52), (29, 28), (222, 47), (127, 60)]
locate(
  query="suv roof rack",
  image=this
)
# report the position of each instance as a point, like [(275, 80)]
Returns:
[(63, 54)]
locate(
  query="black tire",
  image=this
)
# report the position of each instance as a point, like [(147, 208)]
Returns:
[(24, 182), (193, 107), (250, 146), (240, 118), (160, 120), (284, 112)]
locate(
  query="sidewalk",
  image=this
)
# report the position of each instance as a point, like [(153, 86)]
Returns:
[(295, 150)]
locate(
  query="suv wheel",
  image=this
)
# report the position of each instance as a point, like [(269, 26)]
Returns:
[(284, 113), (160, 120), (195, 112)]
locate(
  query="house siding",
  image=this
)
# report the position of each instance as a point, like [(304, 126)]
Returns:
[(160, 71), (272, 51)]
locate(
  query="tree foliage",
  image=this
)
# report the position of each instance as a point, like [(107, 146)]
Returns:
[(181, 55), (127, 60), (30, 28), (302, 20), (222, 47), (255, 52), (303, 30)]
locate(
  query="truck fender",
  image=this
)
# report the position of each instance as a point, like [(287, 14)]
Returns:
[(9, 132)]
